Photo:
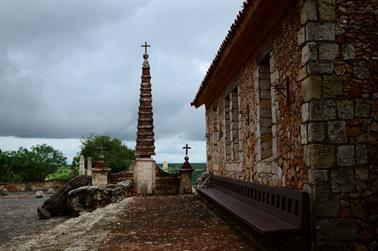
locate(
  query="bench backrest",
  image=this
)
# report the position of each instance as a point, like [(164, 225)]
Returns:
[(287, 204)]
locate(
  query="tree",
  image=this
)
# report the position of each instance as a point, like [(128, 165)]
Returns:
[(6, 174), (117, 155), (37, 163)]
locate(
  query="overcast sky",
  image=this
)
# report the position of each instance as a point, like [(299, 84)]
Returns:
[(70, 68)]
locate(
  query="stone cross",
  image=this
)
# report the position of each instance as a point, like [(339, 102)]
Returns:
[(89, 166), (145, 45), (186, 147), (101, 149), (81, 165)]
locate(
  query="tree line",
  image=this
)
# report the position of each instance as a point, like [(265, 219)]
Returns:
[(36, 163)]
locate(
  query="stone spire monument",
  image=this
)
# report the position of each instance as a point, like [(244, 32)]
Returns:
[(145, 142), (144, 166)]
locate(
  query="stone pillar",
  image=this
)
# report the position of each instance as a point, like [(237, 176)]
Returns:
[(185, 183), (100, 173), (165, 165), (81, 166), (144, 165), (144, 175), (89, 166)]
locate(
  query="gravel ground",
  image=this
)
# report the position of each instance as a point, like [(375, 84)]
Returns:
[(171, 223), (19, 218)]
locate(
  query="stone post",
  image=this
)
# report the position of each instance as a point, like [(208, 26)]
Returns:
[(185, 185), (165, 165), (144, 175), (81, 166), (89, 166), (100, 172)]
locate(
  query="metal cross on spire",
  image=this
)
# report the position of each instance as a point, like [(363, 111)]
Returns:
[(145, 45), (186, 147)]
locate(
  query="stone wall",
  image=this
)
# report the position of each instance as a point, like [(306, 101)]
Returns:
[(272, 157), (339, 130), (323, 65), (33, 186)]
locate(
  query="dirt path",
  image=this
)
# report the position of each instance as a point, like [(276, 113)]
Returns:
[(171, 223)]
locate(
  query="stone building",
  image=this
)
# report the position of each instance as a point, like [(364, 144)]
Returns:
[(292, 101)]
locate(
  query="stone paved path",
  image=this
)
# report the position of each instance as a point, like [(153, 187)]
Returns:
[(171, 223), (19, 218)]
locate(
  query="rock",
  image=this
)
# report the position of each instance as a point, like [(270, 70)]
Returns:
[(43, 214), (57, 203), (39, 194), (50, 191), (88, 198), (204, 180), (4, 191)]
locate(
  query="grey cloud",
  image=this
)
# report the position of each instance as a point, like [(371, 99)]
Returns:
[(69, 68)]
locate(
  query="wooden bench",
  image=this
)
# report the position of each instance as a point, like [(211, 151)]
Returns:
[(268, 210)]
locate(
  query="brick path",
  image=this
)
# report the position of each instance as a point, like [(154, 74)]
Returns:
[(171, 223)]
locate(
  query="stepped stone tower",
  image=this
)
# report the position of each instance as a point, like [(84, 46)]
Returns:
[(144, 166), (145, 142)]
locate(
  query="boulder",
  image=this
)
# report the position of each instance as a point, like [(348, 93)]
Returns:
[(88, 198), (50, 191), (204, 180), (39, 194), (57, 204), (4, 191)]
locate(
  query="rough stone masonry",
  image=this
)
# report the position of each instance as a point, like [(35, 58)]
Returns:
[(301, 111)]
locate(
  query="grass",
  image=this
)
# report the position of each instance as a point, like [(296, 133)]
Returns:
[(199, 168), (63, 173)]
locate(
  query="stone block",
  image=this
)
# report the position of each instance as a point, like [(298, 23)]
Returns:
[(361, 71), (320, 68), (311, 88), (345, 155), (348, 51), (337, 131), (309, 52), (361, 109), (319, 156), (345, 109), (342, 180), (362, 173), (343, 229), (328, 51), (358, 208), (328, 206), (301, 36), (318, 177), (308, 11), (332, 86), (361, 154), (330, 245), (321, 110), (323, 229), (327, 10), (304, 134), (320, 31), (316, 132), (305, 110)]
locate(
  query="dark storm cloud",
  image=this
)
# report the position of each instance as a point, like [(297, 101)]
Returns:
[(69, 68)]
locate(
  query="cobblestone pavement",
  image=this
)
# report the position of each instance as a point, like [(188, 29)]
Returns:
[(19, 218), (171, 223)]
